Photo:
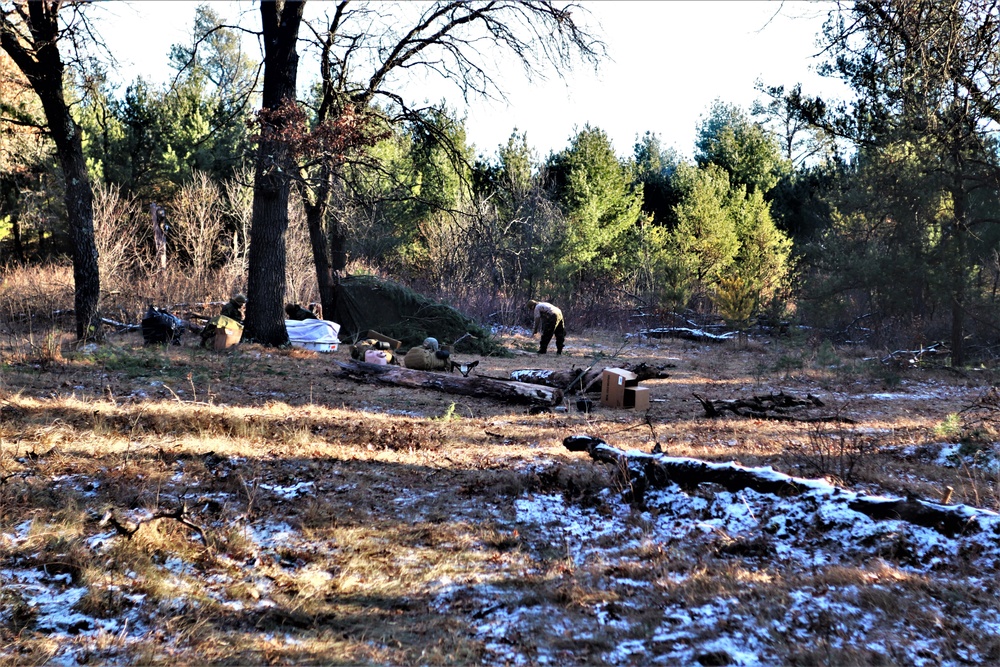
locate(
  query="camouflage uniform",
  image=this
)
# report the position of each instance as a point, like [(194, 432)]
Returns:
[(550, 320), (427, 357), (233, 310)]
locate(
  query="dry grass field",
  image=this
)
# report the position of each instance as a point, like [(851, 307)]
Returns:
[(172, 505)]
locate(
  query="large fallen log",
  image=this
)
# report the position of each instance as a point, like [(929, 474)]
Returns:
[(643, 471), (775, 407), (578, 380), (478, 387)]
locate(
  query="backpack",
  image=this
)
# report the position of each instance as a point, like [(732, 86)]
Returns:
[(160, 327)]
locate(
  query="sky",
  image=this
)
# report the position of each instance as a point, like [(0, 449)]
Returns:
[(667, 62)]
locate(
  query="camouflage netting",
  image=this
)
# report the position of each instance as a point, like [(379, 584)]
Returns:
[(368, 303)]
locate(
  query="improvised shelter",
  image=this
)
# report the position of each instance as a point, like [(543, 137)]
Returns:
[(366, 303)]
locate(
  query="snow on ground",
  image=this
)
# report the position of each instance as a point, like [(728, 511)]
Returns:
[(916, 390), (817, 530), (797, 536)]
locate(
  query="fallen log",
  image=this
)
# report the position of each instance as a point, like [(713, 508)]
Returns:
[(476, 386), (686, 333), (774, 407), (581, 380), (121, 327), (643, 471)]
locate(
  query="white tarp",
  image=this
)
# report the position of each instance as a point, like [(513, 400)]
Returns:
[(313, 331)]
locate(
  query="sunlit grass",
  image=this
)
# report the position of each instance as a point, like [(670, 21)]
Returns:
[(334, 516)]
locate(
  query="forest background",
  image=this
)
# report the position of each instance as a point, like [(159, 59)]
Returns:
[(870, 219)]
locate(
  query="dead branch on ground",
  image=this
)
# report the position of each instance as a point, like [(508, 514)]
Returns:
[(582, 380), (774, 407), (128, 528)]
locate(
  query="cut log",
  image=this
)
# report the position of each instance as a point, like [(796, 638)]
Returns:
[(775, 407), (644, 471), (521, 393), (577, 380)]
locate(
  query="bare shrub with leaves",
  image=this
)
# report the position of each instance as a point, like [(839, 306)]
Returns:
[(841, 454), (196, 217)]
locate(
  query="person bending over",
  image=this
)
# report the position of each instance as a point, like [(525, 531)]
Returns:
[(549, 320)]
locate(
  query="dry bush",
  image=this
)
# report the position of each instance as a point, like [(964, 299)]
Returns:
[(33, 303), (119, 231), (300, 271), (196, 217), (841, 454), (237, 206), (448, 252)]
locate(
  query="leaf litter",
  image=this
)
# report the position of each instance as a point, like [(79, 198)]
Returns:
[(569, 574)]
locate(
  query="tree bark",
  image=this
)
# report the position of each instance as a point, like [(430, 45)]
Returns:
[(265, 321), (42, 65), (328, 265), (479, 387), (644, 471)]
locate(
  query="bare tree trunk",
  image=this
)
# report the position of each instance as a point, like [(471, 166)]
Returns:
[(325, 278), (265, 322), (79, 208), (159, 237), (317, 205), (15, 230)]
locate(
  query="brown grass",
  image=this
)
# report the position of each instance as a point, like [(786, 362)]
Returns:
[(410, 492)]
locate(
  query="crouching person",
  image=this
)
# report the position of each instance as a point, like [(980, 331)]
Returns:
[(235, 309), (549, 319)]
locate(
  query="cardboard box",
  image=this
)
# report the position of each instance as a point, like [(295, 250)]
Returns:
[(620, 389), (637, 397), (228, 333)]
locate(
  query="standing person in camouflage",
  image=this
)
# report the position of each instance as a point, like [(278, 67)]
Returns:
[(551, 321)]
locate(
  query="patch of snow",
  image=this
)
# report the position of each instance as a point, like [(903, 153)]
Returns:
[(289, 492)]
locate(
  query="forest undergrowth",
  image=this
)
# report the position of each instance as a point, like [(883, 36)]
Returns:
[(180, 505)]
